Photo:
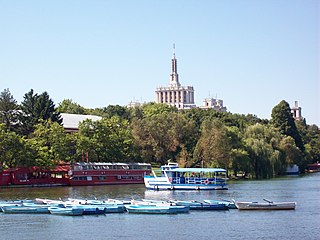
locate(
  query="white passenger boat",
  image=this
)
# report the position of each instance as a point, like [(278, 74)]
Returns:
[(175, 178), (267, 205)]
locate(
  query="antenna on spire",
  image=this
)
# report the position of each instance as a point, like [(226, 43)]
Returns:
[(174, 49)]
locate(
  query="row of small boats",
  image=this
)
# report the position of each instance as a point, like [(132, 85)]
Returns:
[(76, 207), (57, 207)]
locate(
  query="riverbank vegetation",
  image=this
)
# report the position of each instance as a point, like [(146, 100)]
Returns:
[(31, 133)]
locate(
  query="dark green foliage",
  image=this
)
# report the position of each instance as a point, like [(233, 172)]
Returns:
[(282, 119), (163, 136), (156, 133), (37, 107), (9, 113), (12, 149), (68, 106)]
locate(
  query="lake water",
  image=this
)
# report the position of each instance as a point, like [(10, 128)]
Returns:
[(302, 223)]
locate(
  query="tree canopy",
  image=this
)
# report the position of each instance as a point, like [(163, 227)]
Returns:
[(31, 134)]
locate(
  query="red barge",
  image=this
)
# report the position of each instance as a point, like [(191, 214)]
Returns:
[(97, 173), (35, 176), (77, 174)]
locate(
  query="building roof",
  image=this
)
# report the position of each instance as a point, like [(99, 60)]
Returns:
[(72, 121)]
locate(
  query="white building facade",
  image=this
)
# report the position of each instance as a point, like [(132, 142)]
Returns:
[(296, 112), (176, 95), (216, 104)]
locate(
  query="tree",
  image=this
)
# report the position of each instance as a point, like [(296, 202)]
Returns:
[(240, 161), (49, 142), (9, 113), (292, 153), (281, 118), (164, 135), (117, 110), (36, 107), (68, 106), (311, 139), (12, 149), (262, 144), (109, 139), (152, 108), (214, 146)]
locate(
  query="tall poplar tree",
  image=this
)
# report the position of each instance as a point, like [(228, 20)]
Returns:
[(282, 119)]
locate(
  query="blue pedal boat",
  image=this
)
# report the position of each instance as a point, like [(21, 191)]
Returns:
[(66, 211), (154, 209), (195, 205), (25, 209)]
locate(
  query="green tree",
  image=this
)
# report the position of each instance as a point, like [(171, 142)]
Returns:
[(262, 144), (36, 107), (9, 113), (240, 161), (68, 106), (281, 118), (117, 110), (109, 139), (12, 149), (152, 108), (163, 136), (49, 142), (292, 153), (214, 146), (311, 138)]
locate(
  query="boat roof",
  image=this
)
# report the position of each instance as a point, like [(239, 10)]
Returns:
[(110, 163), (197, 170)]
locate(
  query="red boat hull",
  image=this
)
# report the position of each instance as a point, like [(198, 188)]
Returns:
[(80, 174), (94, 177)]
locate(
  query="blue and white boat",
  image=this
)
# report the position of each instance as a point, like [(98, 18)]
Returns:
[(25, 209), (66, 211), (196, 205), (229, 204), (175, 178), (157, 209), (91, 209), (107, 206)]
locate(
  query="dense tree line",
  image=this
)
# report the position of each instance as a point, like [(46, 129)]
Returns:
[(31, 134)]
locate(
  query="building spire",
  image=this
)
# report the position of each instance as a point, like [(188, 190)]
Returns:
[(174, 77)]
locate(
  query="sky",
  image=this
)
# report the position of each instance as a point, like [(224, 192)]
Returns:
[(251, 54)]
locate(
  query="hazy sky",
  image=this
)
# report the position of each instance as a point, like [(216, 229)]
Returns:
[(250, 53)]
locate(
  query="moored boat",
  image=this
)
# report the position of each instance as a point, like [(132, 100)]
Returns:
[(229, 204), (175, 178), (156, 209), (25, 209), (77, 174), (103, 173), (66, 211), (35, 176), (196, 205), (314, 167), (267, 205)]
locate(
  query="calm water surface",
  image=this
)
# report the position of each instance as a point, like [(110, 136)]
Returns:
[(302, 223)]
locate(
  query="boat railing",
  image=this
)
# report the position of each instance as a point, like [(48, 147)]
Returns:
[(196, 180)]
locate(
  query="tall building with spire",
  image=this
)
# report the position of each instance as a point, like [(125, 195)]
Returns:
[(176, 95)]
